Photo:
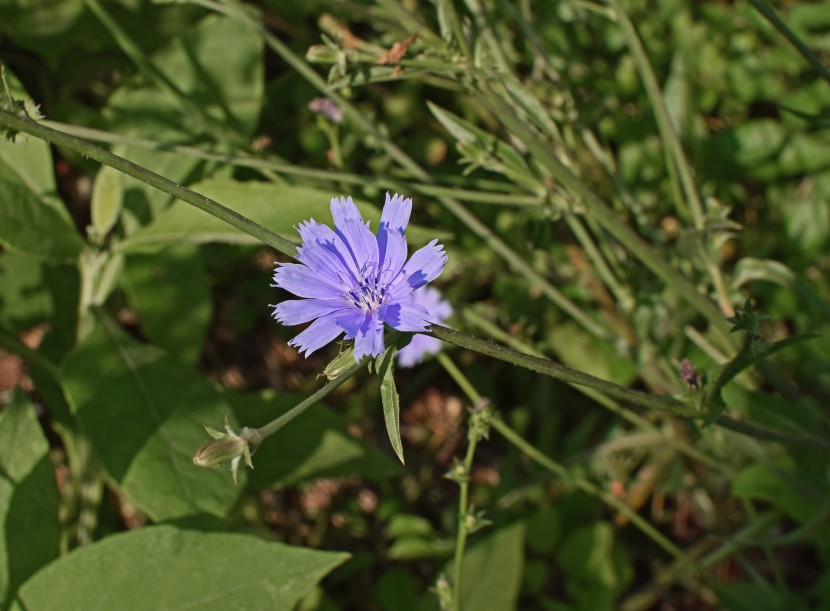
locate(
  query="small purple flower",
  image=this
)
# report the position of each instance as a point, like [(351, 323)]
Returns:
[(422, 345), (353, 281), (327, 108)]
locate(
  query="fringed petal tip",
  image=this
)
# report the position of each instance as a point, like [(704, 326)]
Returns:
[(396, 212)]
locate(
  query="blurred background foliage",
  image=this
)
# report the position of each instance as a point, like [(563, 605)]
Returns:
[(448, 102)]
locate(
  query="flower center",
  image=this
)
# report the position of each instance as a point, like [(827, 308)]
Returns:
[(368, 293)]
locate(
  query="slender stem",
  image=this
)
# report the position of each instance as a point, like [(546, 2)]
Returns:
[(25, 124), (463, 511), (587, 486), (276, 424), (514, 260), (759, 432), (459, 377), (246, 161), (674, 148), (561, 372), (606, 217), (464, 484), (608, 403), (765, 9)]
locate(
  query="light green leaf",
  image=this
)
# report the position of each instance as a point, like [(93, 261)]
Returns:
[(391, 401), (314, 445), (24, 300), (280, 208), (170, 294), (492, 570), (778, 486), (277, 207), (29, 226), (107, 199), (164, 567), (598, 570), (28, 159), (143, 411), (29, 529), (217, 65)]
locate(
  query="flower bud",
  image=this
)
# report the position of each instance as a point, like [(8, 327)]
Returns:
[(215, 453), (228, 447)]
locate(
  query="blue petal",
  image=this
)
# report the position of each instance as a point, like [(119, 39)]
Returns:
[(318, 334), (351, 322), (415, 351), (425, 265), (396, 212), (324, 251), (349, 225), (370, 338), (405, 317), (439, 309), (306, 282), (298, 311), (392, 252)]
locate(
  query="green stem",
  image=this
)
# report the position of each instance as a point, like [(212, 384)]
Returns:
[(606, 217), (359, 120), (463, 511), (561, 372), (674, 148), (459, 378), (246, 161), (560, 471), (25, 124), (759, 432), (464, 484), (764, 8), (276, 424), (607, 402)]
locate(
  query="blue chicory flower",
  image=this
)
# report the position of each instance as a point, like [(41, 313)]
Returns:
[(354, 282), (422, 345)]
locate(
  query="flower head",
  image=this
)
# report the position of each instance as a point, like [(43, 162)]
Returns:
[(327, 108), (351, 281), (422, 345)]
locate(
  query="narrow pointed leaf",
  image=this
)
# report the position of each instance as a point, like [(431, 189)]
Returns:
[(390, 399)]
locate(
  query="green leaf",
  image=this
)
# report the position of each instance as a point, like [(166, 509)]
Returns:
[(277, 207), (314, 445), (492, 570), (107, 199), (598, 570), (217, 70), (169, 291), (217, 65), (29, 529), (143, 411), (43, 27), (395, 591), (28, 159), (778, 487), (164, 567), (390, 399), (29, 226), (24, 300)]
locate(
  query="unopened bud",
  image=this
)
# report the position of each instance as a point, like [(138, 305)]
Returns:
[(215, 453), (228, 447)]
